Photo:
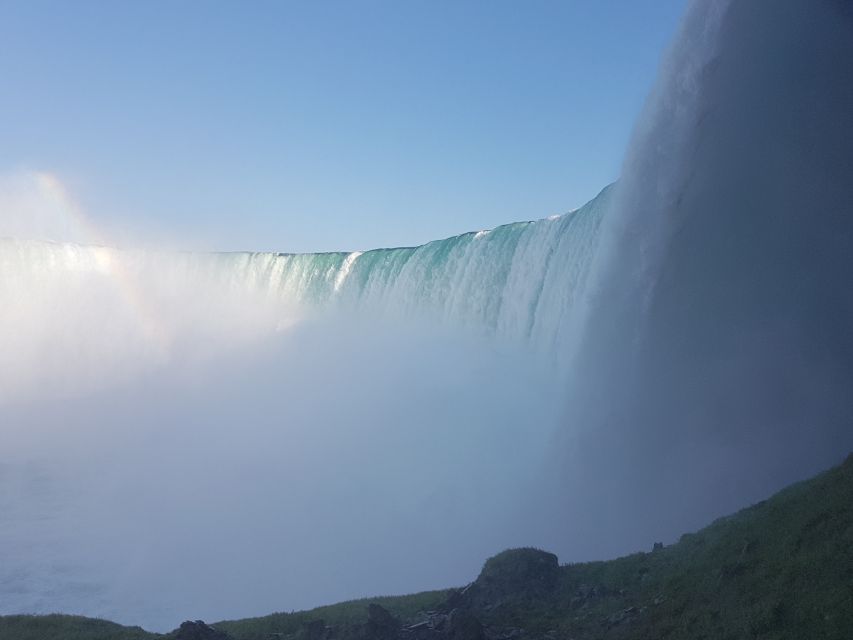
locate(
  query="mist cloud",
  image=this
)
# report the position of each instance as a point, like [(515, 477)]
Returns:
[(177, 446)]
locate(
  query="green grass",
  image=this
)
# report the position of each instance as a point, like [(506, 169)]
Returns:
[(781, 569), (352, 612), (67, 628)]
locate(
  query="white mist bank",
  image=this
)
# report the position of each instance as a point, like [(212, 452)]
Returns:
[(179, 444), (192, 435), (328, 463)]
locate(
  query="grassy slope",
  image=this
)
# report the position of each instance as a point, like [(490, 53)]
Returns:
[(780, 569), (344, 613), (67, 628)]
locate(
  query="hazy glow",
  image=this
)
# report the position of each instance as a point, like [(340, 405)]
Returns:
[(78, 317)]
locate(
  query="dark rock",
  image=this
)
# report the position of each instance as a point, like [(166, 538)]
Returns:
[(621, 617), (456, 599), (379, 615), (439, 621), (514, 575), (198, 630), (420, 626), (420, 631), (464, 625), (433, 625), (585, 593), (509, 633), (380, 624)]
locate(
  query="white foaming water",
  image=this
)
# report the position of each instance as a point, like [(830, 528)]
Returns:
[(717, 358), (133, 308)]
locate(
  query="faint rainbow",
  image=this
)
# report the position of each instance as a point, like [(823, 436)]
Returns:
[(109, 260)]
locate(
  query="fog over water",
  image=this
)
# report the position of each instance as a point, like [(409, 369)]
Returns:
[(224, 435), (330, 463), (221, 435)]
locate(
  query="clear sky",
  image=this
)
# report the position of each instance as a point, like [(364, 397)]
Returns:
[(300, 126)]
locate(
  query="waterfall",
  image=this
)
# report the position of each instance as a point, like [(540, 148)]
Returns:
[(518, 282), (716, 356), (175, 409)]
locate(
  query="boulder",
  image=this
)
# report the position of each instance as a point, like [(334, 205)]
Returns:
[(515, 575), (198, 630)]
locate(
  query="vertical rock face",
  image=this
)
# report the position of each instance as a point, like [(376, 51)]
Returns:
[(718, 360)]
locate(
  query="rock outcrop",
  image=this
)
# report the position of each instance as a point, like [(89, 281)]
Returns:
[(198, 630), (512, 577)]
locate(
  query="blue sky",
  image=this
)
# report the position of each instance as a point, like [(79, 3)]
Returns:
[(300, 126)]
